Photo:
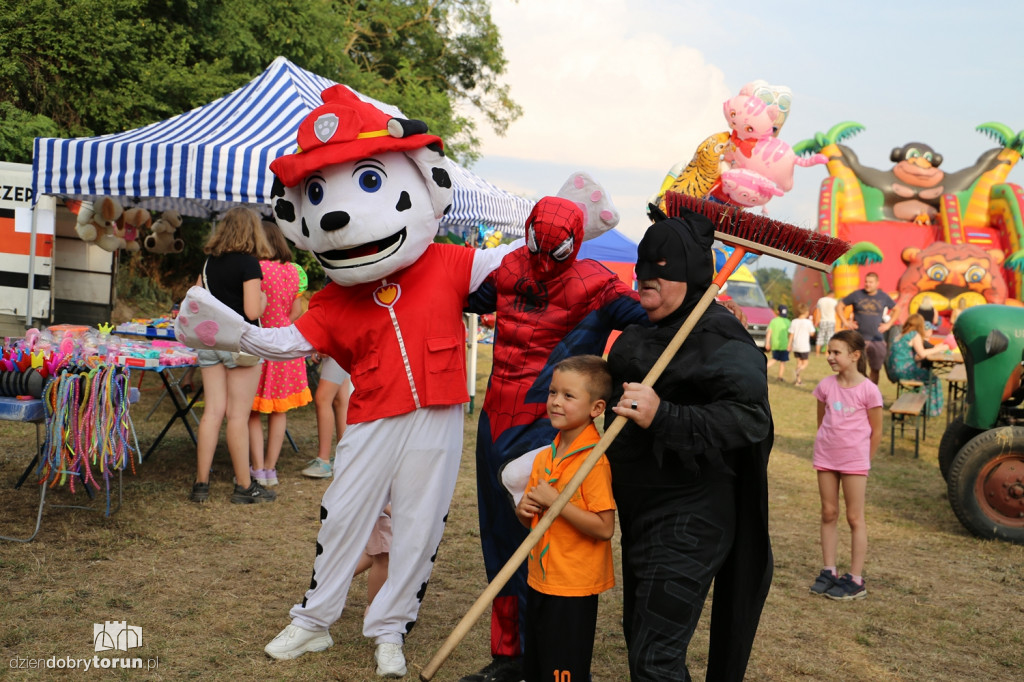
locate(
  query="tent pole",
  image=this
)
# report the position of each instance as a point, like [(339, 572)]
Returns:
[(471, 374)]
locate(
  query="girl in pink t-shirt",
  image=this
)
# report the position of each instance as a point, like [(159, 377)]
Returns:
[(849, 431)]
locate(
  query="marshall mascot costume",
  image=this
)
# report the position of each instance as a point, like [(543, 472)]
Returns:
[(365, 193)]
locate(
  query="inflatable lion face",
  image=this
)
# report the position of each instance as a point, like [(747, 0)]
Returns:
[(947, 273)]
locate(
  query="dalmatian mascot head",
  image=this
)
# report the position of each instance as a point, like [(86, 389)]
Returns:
[(365, 191)]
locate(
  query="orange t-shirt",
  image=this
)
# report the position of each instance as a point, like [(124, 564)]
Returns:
[(566, 562)]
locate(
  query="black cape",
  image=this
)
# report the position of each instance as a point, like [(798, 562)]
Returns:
[(714, 413)]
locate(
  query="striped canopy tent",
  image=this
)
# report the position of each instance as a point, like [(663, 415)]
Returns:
[(217, 156)]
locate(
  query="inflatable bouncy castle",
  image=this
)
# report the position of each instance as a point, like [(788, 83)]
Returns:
[(954, 238)]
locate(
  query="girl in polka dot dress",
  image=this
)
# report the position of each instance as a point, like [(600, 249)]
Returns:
[(283, 384)]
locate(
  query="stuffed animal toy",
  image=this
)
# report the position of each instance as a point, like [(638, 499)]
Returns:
[(97, 218), (163, 236), (134, 220)]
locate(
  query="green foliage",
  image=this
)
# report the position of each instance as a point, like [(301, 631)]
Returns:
[(777, 286), (72, 68), (89, 67)]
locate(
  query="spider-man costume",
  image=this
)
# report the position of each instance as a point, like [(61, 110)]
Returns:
[(549, 306)]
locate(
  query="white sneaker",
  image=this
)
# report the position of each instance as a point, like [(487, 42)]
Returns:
[(294, 641), (390, 660)]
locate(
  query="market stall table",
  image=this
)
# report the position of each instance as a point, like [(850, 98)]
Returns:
[(31, 411), (182, 405)]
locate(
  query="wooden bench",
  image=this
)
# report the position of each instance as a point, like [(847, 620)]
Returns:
[(957, 381), (907, 405)]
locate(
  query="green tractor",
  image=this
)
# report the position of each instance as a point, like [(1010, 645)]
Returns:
[(981, 454)]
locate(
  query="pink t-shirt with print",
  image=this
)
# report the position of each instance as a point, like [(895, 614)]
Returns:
[(843, 442)]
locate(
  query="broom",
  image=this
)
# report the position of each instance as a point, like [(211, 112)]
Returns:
[(746, 233)]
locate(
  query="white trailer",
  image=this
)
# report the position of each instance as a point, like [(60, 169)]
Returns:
[(73, 282)]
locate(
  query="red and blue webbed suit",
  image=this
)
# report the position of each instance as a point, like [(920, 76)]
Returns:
[(549, 306)]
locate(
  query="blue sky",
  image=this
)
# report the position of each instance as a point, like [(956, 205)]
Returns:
[(625, 89)]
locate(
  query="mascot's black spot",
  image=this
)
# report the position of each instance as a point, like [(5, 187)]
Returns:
[(305, 230), (441, 178), (423, 591), (404, 202), (409, 626), (284, 210), (319, 548), (312, 583), (303, 602), (436, 147), (277, 189), (447, 208), (323, 513), (445, 519)]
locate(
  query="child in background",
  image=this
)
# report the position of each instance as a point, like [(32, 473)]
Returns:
[(282, 384), (572, 563), (849, 431), (825, 312), (800, 331), (776, 340), (331, 401), (232, 273)]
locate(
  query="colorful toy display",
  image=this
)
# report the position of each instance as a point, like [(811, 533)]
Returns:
[(955, 236), (89, 430)]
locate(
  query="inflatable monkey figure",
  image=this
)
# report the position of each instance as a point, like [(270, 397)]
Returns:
[(913, 188)]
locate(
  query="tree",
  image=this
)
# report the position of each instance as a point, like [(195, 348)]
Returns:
[(87, 67), (777, 286), (74, 68)]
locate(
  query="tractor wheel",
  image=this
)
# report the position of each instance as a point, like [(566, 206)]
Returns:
[(986, 484), (956, 436)]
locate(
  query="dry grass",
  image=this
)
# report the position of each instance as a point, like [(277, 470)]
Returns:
[(211, 585)]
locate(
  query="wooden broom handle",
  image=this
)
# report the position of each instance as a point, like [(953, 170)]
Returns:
[(505, 574)]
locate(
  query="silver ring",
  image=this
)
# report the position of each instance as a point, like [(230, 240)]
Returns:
[(633, 405)]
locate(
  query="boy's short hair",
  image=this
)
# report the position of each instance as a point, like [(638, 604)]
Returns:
[(594, 369), (801, 308)]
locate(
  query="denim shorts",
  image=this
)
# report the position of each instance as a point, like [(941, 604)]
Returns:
[(209, 358)]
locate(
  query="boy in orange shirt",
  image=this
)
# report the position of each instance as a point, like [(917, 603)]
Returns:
[(572, 563)]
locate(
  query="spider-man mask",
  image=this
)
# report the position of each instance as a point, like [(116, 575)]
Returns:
[(554, 232)]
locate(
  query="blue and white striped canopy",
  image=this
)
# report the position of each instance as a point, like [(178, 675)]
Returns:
[(207, 160)]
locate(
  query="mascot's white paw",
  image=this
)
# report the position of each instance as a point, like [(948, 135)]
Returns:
[(600, 214), (205, 323)]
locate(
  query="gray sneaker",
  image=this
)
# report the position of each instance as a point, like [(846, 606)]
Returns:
[(253, 494), (200, 492), (824, 581), (318, 469)]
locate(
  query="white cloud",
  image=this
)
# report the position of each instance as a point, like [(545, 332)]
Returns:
[(600, 88)]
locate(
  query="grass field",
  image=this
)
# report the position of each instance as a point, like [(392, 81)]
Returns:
[(211, 585)]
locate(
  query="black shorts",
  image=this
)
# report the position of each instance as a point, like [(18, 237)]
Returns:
[(801, 356), (559, 637)]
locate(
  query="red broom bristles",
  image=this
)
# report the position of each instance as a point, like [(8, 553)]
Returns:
[(761, 234)]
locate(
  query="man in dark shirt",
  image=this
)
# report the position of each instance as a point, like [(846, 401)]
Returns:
[(869, 309)]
